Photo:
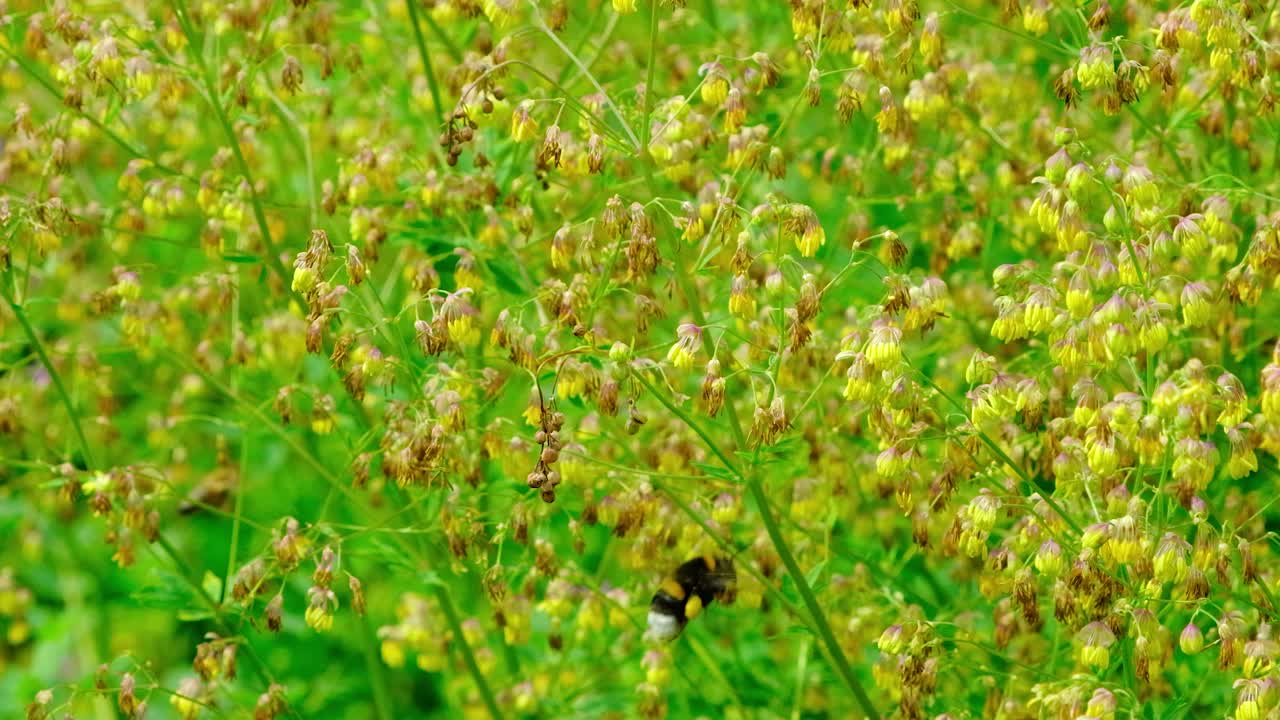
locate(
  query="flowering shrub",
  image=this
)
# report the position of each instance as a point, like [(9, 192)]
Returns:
[(381, 360)]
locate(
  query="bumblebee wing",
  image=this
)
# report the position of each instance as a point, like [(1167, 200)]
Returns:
[(723, 578), (707, 577), (723, 575)]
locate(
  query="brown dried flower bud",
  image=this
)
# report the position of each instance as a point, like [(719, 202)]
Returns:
[(357, 595), (275, 613), (291, 75)]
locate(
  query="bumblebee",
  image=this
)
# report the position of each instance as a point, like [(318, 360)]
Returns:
[(692, 587)]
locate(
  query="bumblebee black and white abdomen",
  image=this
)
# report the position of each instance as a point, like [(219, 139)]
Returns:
[(681, 597)]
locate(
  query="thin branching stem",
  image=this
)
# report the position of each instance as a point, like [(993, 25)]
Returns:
[(58, 385), (1028, 485), (752, 481), (647, 127), (114, 137), (210, 93), (451, 616), (427, 67), (608, 101)]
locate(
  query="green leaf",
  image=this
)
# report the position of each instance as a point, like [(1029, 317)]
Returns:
[(212, 584), (241, 258), (171, 596), (797, 629), (506, 279), (814, 573), (714, 470), (194, 614)]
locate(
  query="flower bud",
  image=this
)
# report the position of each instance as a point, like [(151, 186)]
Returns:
[(892, 640), (1055, 168), (1049, 560), (1170, 563), (981, 368), (1197, 307), (1113, 221), (1094, 643), (1191, 640)]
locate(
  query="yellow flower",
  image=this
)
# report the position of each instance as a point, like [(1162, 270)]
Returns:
[(1095, 640), (184, 700), (715, 86), (392, 653), (741, 302), (1049, 560), (694, 229), (1035, 20), (523, 126), (430, 661), (1249, 700), (322, 424), (1096, 68), (305, 279), (884, 348), (858, 385), (811, 239), (319, 619), (1197, 308), (682, 351)]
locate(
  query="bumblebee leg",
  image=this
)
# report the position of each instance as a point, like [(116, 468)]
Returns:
[(693, 607)]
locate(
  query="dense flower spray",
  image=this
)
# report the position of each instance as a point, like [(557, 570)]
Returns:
[(428, 339)]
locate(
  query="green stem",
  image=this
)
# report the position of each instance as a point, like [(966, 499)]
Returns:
[(426, 61), (713, 668), (998, 26), (601, 40), (729, 549), (801, 665), (238, 512), (564, 95), (260, 217), (1164, 141), (211, 96), (449, 47), (377, 672), (182, 568), (259, 665), (451, 615), (304, 146), (608, 101), (1029, 487), (710, 14), (695, 427), (816, 614), (810, 600), (1233, 154), (111, 135), (1133, 258), (381, 696), (58, 385), (271, 425), (647, 128), (684, 280), (1266, 593)]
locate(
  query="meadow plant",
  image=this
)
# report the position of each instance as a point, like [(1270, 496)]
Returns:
[(379, 360)]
